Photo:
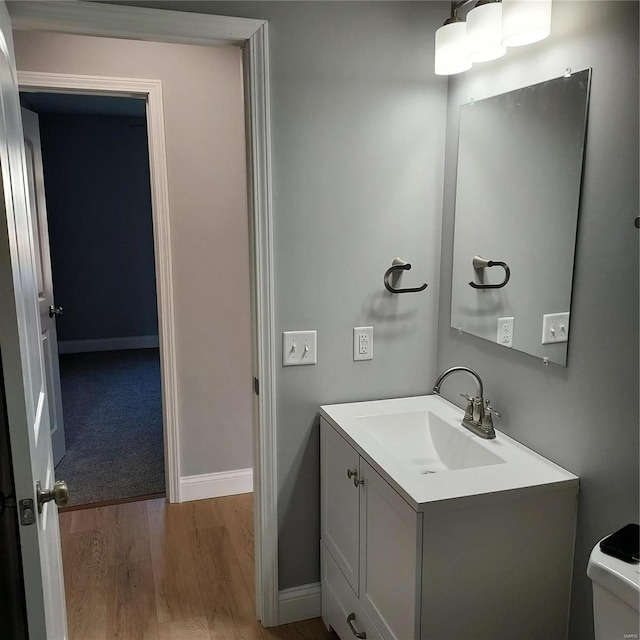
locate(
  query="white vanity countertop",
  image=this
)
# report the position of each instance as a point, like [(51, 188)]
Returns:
[(522, 468)]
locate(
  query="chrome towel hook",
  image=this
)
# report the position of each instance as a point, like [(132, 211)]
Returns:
[(480, 263), (400, 265)]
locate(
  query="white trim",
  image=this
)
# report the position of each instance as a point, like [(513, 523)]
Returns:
[(164, 278), (256, 60), (131, 22), (84, 18), (216, 485), (89, 85), (152, 91), (300, 603), (108, 344)]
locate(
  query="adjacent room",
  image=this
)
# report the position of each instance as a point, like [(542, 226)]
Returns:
[(97, 264)]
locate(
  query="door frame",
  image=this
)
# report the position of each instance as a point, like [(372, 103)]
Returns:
[(151, 91), (83, 18)]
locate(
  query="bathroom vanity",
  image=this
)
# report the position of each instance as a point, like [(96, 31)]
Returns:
[(431, 532)]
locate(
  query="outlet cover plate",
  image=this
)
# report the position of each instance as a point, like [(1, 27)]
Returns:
[(363, 343), (555, 328), (505, 332), (299, 348)]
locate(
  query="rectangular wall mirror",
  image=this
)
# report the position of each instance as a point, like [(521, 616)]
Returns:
[(520, 157)]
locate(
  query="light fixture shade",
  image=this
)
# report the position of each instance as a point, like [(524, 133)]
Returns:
[(484, 32), (525, 21), (451, 49)]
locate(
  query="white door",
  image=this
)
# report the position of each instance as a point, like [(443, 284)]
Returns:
[(48, 310), (23, 367)]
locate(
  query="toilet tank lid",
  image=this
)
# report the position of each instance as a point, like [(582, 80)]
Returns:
[(619, 577)]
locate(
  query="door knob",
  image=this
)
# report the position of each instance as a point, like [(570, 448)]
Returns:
[(54, 311), (59, 494)]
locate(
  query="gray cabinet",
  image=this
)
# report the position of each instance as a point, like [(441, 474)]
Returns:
[(390, 557), (494, 566), (341, 503), (371, 548)]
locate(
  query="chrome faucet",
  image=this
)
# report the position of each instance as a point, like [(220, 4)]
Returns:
[(478, 416)]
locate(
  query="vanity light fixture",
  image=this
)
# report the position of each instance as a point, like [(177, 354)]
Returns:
[(484, 31), (525, 21), (491, 26), (451, 46)]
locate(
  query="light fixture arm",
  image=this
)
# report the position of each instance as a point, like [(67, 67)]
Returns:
[(457, 5)]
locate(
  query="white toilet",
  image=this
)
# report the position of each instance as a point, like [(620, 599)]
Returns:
[(616, 596)]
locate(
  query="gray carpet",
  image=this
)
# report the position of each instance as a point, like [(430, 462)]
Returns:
[(113, 425)]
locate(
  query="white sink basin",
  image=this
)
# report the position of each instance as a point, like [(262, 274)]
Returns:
[(420, 447), (426, 443)]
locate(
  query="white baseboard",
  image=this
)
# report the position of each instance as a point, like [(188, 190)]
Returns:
[(299, 603), (216, 485), (108, 344)]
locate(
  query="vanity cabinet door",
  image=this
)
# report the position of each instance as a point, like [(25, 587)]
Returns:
[(340, 500), (390, 558)]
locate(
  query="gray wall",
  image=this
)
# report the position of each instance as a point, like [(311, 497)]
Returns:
[(584, 417), (358, 141), (358, 124), (96, 171)]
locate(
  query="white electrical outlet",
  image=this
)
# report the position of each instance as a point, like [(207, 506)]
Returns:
[(505, 332), (363, 343), (299, 347), (555, 328)]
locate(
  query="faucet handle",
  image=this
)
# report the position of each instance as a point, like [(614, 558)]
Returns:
[(468, 414), (489, 409), (487, 417)]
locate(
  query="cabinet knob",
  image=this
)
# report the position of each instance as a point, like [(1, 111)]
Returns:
[(353, 473), (358, 634)]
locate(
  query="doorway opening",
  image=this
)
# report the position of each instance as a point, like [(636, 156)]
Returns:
[(91, 178), (252, 35)]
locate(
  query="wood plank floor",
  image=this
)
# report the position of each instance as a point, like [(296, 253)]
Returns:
[(150, 570)]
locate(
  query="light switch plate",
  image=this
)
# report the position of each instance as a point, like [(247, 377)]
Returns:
[(363, 343), (299, 348), (555, 328)]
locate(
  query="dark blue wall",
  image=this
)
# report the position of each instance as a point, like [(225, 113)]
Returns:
[(96, 171)]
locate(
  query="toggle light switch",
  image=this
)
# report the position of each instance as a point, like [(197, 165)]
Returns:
[(299, 347), (555, 328)]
